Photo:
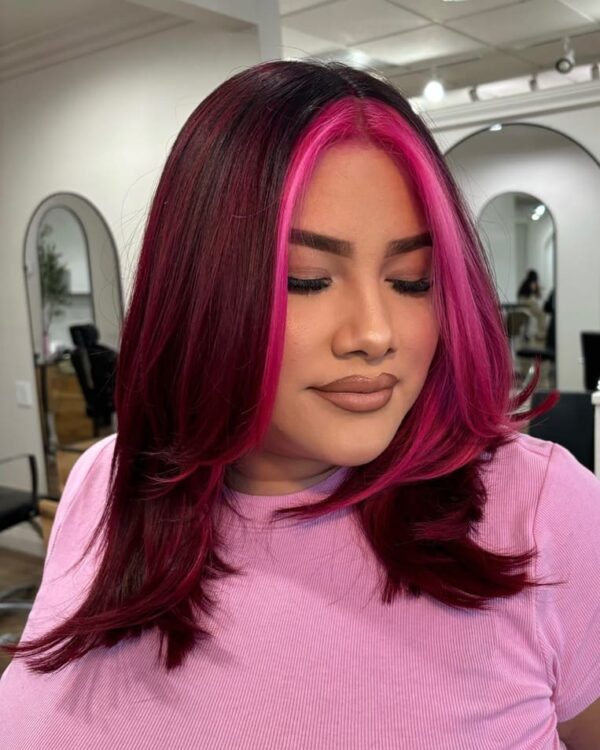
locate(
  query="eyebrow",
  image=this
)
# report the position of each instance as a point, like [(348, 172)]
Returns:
[(345, 248)]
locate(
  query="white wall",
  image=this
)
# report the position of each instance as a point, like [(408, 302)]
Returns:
[(99, 126)]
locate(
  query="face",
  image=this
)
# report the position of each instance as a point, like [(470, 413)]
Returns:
[(356, 321)]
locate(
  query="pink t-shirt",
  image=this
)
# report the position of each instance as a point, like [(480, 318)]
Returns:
[(306, 655)]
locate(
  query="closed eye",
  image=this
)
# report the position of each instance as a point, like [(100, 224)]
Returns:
[(311, 286)]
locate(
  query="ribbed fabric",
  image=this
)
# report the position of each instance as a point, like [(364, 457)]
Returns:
[(305, 655)]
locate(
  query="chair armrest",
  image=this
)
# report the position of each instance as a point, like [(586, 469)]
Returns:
[(32, 469)]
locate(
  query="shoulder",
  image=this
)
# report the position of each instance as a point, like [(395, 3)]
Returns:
[(546, 483), (567, 520), (533, 485), (91, 468), (85, 489), (519, 467), (92, 465), (547, 470), (565, 485), (99, 453), (532, 463)]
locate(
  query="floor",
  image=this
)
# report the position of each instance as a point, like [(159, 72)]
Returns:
[(16, 568)]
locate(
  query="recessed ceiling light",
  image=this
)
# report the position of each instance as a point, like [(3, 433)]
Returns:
[(434, 91), (358, 58)]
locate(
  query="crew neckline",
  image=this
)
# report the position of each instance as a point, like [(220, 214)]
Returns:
[(257, 509)]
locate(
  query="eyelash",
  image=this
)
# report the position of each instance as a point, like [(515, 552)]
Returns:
[(311, 286)]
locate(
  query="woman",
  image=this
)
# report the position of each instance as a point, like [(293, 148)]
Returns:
[(529, 296), (312, 330)]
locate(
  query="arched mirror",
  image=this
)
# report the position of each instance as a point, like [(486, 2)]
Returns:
[(505, 172), (519, 235), (76, 309)]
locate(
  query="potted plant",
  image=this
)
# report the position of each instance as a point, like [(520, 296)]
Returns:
[(55, 281)]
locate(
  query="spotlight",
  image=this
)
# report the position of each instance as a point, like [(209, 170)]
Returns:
[(434, 91), (565, 63), (495, 128), (539, 211)]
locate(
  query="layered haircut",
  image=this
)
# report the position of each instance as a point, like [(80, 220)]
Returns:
[(201, 352)]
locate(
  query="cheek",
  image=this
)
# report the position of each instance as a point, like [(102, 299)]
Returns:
[(298, 356), (419, 337), (301, 341)]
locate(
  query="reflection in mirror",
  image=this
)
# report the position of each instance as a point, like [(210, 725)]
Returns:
[(64, 277), (518, 234), (72, 282)]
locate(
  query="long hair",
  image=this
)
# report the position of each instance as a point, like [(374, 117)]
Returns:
[(526, 290), (201, 351)]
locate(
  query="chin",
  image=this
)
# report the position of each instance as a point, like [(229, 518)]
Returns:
[(355, 455), (365, 447)]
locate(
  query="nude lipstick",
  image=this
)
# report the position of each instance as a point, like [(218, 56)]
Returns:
[(359, 393)]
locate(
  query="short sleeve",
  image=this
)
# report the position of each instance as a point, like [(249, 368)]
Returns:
[(567, 535), (64, 579)]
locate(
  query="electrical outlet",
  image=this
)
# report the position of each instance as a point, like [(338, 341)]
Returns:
[(24, 396)]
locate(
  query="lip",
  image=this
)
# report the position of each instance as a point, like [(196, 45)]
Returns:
[(360, 384), (357, 402)]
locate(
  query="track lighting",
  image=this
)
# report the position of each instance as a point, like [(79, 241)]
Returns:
[(565, 63)]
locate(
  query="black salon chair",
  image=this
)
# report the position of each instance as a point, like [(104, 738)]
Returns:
[(545, 354), (569, 423), (515, 322), (95, 366), (17, 506), (590, 347)]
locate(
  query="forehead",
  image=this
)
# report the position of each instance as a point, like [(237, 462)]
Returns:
[(360, 185), (354, 159)]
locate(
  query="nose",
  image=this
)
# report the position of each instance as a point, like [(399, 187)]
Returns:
[(364, 325)]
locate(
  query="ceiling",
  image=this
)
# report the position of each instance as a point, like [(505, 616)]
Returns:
[(468, 43), (465, 44)]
